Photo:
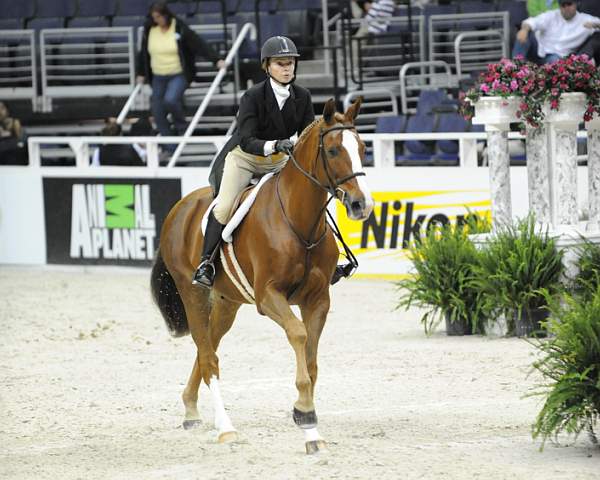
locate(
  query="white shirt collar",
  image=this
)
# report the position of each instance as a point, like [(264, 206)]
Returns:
[(282, 92)]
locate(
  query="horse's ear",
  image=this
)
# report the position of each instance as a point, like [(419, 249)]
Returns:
[(353, 109), (329, 111)]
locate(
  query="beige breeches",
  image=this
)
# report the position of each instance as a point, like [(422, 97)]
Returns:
[(239, 169)]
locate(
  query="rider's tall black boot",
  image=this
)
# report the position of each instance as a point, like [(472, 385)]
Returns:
[(205, 274)]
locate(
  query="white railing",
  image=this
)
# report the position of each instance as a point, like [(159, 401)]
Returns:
[(383, 144), (81, 148)]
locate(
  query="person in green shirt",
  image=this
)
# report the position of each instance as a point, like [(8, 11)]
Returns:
[(535, 7)]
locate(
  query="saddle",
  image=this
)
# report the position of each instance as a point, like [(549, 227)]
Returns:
[(241, 206)]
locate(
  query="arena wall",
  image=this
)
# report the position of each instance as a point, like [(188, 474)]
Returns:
[(112, 216)]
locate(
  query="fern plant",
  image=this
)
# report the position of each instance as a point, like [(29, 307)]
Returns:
[(516, 264), (444, 263), (588, 266), (570, 367)]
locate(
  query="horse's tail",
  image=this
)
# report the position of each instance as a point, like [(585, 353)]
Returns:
[(167, 299)]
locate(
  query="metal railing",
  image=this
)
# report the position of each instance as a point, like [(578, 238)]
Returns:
[(18, 67), (247, 30), (86, 62), (424, 76), (475, 50), (378, 59), (444, 29)]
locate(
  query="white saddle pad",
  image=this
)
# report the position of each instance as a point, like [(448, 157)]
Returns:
[(239, 214)]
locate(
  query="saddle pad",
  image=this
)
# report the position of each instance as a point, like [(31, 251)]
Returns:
[(240, 212)]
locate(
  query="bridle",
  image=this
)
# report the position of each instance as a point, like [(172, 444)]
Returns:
[(332, 188), (333, 185)]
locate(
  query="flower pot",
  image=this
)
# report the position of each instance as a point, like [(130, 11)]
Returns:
[(529, 325), (571, 108), (458, 327), (496, 110)]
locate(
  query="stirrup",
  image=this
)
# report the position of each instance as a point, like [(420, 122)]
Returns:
[(205, 274), (341, 271)]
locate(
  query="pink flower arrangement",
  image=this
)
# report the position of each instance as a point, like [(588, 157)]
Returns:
[(503, 79), (535, 85)]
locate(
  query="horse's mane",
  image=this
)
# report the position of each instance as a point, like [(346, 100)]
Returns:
[(307, 129), (338, 117)]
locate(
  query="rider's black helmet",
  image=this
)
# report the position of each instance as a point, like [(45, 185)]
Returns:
[(278, 47)]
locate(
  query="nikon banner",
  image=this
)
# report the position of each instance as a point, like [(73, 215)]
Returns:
[(381, 243), (106, 221)]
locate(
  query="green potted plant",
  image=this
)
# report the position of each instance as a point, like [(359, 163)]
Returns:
[(588, 269), (517, 262), (570, 366), (444, 263)]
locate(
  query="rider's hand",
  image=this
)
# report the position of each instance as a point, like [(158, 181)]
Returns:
[(285, 146), (140, 79)]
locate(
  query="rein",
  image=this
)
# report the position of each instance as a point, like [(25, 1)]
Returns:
[(332, 189)]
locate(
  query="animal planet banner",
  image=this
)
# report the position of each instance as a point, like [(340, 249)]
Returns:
[(381, 243), (106, 221)]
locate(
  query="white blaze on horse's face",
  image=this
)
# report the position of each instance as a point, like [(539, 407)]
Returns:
[(358, 209)]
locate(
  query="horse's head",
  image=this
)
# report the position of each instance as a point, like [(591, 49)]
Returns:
[(342, 152)]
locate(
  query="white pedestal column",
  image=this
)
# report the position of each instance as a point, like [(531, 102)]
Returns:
[(538, 184), (562, 128), (593, 148), (497, 113), (499, 165)]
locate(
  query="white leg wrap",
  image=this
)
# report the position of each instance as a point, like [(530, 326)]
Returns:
[(311, 435), (222, 422)]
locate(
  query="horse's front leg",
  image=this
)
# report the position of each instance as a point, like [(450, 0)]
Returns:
[(275, 305), (314, 314)]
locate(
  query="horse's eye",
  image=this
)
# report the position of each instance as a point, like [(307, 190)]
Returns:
[(332, 151)]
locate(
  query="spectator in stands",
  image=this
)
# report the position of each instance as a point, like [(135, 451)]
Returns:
[(535, 7), (377, 17), (555, 34), (270, 114), (13, 149), (122, 155), (167, 60)]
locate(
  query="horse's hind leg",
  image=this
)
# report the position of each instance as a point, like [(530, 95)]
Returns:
[(275, 305), (190, 398), (197, 310)]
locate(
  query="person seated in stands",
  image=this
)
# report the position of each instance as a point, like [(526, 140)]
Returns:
[(13, 149), (120, 154), (555, 34), (535, 7), (377, 17)]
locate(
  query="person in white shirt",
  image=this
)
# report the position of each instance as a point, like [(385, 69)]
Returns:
[(555, 34)]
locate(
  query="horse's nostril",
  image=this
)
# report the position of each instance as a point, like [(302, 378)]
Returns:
[(356, 206)]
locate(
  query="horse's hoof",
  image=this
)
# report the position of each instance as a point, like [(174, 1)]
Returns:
[(227, 437), (315, 446), (191, 424)]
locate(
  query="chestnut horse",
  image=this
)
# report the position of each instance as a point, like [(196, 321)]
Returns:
[(287, 253)]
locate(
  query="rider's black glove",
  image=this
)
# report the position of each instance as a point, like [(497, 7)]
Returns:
[(285, 146)]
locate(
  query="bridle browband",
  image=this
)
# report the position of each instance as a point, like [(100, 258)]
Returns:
[(332, 188)]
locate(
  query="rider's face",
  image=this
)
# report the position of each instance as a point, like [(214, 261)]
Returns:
[(282, 69)]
